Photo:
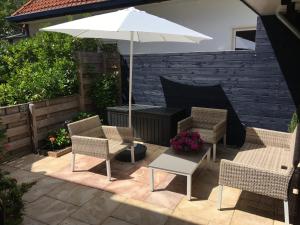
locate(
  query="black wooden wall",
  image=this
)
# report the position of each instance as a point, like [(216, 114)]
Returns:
[(251, 80)]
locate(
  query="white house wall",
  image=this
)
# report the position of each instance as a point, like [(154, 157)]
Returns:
[(216, 18)]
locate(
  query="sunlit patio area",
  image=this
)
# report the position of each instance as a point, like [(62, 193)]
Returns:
[(61, 196)]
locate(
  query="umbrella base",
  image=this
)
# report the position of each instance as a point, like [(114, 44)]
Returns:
[(139, 154)]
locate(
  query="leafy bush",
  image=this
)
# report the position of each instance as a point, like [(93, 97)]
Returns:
[(105, 92), (11, 198), (58, 139), (7, 8), (41, 67), (81, 116), (294, 122)]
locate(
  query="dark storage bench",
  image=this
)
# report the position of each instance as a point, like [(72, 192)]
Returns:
[(151, 124)]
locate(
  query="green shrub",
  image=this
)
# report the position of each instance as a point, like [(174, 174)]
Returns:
[(41, 67), (105, 92), (11, 198), (294, 122), (58, 139), (81, 116)]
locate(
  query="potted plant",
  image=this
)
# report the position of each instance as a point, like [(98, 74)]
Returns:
[(187, 141), (58, 142)]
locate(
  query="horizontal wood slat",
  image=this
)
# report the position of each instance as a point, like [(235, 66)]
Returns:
[(25, 129), (13, 118), (19, 144), (56, 108)]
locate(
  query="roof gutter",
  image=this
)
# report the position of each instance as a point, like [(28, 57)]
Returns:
[(99, 6), (250, 7)]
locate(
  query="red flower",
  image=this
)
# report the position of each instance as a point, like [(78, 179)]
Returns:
[(52, 139), (186, 141)]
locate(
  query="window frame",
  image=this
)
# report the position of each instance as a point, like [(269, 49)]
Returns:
[(234, 30)]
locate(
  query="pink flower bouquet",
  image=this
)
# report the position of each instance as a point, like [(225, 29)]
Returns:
[(187, 141)]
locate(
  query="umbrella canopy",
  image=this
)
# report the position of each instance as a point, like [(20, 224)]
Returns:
[(132, 25), (119, 25)]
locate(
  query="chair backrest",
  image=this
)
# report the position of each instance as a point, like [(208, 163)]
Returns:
[(90, 127), (269, 137), (208, 115)]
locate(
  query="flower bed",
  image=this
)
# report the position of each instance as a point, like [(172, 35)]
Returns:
[(187, 141)]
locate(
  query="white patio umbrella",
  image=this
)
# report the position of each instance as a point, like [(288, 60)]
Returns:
[(132, 25)]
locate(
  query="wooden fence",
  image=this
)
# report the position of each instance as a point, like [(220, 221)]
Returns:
[(92, 65), (28, 124), (16, 121)]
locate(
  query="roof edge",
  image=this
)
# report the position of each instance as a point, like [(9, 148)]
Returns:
[(98, 6)]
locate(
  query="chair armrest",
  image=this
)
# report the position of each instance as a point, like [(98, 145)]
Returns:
[(124, 134), (220, 126), (261, 181), (185, 124), (97, 147)]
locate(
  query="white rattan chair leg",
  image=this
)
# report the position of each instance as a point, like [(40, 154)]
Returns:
[(219, 202), (108, 170), (73, 162), (214, 152), (189, 187), (286, 212), (151, 179), (132, 154)]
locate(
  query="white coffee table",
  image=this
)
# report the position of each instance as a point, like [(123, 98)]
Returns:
[(182, 164)]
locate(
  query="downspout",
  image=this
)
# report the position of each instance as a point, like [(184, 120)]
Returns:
[(293, 29)]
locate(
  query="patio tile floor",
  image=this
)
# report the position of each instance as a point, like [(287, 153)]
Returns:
[(86, 197)]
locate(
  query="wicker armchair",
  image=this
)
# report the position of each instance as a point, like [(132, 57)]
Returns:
[(264, 165), (90, 138), (210, 123)]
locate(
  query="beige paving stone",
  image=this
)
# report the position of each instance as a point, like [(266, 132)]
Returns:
[(257, 207), (114, 221), (128, 189), (230, 196), (119, 170), (23, 176), (142, 175), (278, 222), (138, 212), (48, 210), (173, 220), (73, 193), (203, 210), (71, 221), (29, 221), (98, 209), (249, 219), (42, 187), (164, 198), (49, 165), (208, 177)]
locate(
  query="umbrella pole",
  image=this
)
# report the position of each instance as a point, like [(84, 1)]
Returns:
[(130, 80)]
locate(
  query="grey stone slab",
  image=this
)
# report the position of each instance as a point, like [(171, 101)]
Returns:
[(49, 210)]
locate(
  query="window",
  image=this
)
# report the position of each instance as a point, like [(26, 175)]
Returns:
[(244, 39)]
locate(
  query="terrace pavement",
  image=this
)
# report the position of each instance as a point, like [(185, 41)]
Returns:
[(86, 197)]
